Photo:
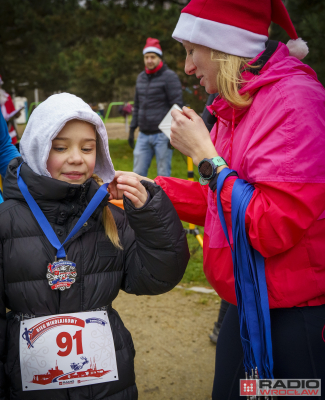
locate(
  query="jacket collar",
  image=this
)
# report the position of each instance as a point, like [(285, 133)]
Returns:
[(275, 64), (153, 71), (43, 188), (158, 73)]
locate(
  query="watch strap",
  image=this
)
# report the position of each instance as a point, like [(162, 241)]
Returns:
[(218, 161), (213, 182)]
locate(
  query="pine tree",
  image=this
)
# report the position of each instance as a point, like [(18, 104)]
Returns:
[(308, 17)]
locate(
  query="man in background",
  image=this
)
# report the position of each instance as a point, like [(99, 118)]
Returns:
[(157, 89)]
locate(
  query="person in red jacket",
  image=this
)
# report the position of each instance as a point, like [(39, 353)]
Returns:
[(7, 107), (269, 128)]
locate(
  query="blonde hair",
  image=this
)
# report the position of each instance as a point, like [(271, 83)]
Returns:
[(108, 220), (229, 78)]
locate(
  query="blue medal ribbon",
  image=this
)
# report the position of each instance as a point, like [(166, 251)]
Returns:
[(44, 223), (250, 282)]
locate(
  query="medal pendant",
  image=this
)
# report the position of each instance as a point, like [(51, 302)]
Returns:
[(61, 274)]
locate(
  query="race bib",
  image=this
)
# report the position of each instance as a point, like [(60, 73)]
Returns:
[(67, 350)]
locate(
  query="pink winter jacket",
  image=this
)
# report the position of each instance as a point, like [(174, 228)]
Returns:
[(279, 147)]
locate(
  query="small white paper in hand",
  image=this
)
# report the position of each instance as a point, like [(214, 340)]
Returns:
[(166, 124)]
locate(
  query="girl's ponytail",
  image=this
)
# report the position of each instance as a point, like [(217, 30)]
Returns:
[(108, 220)]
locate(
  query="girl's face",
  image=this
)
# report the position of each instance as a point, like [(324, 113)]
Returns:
[(72, 157), (198, 61)]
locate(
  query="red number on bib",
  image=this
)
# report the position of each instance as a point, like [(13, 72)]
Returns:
[(78, 338), (66, 344)]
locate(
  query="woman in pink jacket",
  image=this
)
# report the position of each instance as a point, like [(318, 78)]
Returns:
[(270, 129)]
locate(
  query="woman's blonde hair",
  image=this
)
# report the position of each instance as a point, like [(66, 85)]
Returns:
[(108, 220), (229, 78)]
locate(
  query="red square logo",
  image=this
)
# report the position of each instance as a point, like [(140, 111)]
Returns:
[(248, 387)]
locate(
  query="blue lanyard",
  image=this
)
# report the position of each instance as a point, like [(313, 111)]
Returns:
[(44, 223), (1, 198), (250, 282)]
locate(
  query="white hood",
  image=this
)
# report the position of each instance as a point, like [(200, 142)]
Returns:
[(45, 123)]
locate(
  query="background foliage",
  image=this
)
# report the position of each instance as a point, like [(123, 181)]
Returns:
[(92, 48), (308, 17)]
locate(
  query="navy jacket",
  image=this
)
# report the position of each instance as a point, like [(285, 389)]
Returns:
[(155, 94)]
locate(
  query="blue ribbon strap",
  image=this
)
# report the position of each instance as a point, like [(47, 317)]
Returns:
[(250, 282), (45, 225)]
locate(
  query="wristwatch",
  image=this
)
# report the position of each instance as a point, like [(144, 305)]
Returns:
[(207, 168)]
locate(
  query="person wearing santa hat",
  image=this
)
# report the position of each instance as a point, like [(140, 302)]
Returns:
[(7, 107), (157, 90), (270, 130)]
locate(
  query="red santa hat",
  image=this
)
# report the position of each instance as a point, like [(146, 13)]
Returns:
[(238, 27), (152, 46)]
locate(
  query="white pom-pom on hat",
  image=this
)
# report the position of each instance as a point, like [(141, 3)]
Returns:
[(298, 48)]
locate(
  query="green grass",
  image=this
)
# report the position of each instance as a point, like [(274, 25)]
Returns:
[(122, 157)]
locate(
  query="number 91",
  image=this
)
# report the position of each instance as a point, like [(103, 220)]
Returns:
[(65, 342)]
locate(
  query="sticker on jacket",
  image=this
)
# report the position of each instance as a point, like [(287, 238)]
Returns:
[(67, 350)]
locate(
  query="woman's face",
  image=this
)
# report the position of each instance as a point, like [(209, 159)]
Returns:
[(72, 157), (198, 61)]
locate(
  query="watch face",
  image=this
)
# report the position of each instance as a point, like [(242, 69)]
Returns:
[(206, 170)]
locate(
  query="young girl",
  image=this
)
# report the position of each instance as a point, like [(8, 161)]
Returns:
[(143, 250)]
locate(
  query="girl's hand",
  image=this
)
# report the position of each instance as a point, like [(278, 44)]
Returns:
[(190, 136), (131, 187), (117, 194)]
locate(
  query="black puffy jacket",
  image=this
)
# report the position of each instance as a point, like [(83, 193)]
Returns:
[(153, 260), (155, 94)]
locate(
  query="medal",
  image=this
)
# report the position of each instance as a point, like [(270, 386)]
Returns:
[(61, 273)]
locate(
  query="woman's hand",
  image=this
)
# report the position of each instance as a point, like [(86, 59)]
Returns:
[(190, 136), (128, 183)]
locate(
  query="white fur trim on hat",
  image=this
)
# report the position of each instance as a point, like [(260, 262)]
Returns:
[(226, 38), (298, 48), (152, 50)]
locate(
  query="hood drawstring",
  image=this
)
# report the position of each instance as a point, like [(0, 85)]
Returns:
[(217, 127), (232, 133), (232, 136)]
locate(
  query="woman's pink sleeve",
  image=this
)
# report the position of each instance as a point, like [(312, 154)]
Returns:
[(279, 213)]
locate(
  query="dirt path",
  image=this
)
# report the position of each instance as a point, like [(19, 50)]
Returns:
[(174, 356), (116, 130)]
